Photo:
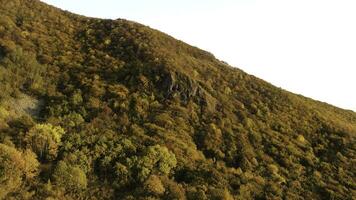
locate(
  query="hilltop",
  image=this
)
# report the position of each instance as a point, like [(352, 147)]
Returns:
[(112, 109)]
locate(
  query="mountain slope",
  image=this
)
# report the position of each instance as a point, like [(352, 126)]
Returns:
[(127, 112)]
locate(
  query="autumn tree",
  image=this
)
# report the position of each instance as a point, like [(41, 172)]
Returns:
[(44, 140), (14, 168), (153, 185)]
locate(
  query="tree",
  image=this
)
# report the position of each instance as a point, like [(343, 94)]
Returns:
[(44, 140), (31, 164), (76, 98), (157, 160), (72, 120), (153, 185), (11, 165), (70, 177), (213, 141), (14, 166), (220, 194)]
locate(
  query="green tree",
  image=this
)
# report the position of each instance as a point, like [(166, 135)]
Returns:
[(71, 120), (72, 178), (76, 98), (157, 160)]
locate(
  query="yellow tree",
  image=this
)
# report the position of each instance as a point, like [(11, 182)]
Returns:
[(44, 140), (14, 167)]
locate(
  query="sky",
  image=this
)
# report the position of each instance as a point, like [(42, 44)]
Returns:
[(305, 46)]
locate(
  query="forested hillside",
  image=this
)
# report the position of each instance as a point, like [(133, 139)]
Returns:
[(112, 109)]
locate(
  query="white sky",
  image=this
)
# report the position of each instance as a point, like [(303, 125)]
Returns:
[(304, 46)]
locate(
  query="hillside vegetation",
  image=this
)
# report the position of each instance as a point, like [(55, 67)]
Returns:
[(111, 109)]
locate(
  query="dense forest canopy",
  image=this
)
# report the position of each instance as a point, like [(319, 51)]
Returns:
[(111, 109)]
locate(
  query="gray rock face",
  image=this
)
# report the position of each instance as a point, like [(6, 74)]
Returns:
[(178, 84)]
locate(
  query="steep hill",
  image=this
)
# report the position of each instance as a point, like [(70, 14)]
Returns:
[(112, 109)]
